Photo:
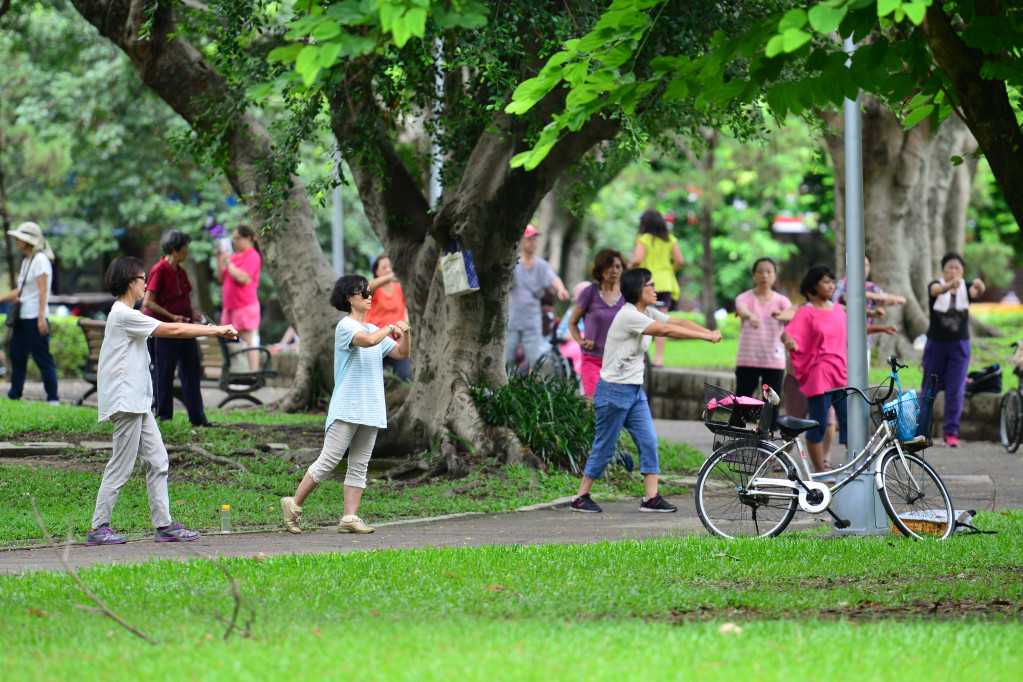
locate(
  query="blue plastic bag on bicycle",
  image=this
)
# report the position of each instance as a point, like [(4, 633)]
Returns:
[(906, 409)]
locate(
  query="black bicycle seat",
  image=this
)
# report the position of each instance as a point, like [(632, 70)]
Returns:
[(790, 427)]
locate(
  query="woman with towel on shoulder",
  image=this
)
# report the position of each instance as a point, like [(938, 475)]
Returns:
[(947, 353)]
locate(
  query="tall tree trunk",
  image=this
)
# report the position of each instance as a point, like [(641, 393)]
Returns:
[(453, 339), (915, 204), (179, 74), (708, 204)]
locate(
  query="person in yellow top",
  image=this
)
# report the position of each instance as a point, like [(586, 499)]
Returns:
[(657, 251)]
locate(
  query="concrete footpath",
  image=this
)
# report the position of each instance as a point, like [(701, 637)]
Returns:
[(980, 476)]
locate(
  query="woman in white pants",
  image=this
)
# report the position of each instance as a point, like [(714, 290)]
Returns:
[(357, 409), (125, 395)]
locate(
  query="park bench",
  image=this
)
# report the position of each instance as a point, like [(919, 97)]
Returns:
[(215, 358)]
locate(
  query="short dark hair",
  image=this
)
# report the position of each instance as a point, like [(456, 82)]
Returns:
[(633, 282), (765, 259), (121, 273), (812, 277), (376, 263), (174, 240), (344, 287), (605, 259), (652, 222), (952, 255)]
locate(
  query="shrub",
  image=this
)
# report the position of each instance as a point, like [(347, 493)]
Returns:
[(544, 412)]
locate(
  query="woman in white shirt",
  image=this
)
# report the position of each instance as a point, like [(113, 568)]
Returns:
[(619, 400), (125, 395), (31, 332)]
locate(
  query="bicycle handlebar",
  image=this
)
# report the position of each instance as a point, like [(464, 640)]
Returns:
[(893, 362)]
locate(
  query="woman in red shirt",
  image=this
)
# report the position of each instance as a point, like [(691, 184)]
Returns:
[(239, 273), (388, 307)]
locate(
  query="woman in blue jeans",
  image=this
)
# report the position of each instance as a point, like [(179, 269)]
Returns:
[(619, 399), (31, 332)]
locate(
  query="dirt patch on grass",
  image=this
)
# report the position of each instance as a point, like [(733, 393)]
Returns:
[(868, 611), (295, 435)]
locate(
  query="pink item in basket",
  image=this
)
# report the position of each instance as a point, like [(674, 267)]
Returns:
[(741, 401)]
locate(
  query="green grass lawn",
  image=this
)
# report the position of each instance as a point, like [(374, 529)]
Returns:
[(65, 489), (799, 606)]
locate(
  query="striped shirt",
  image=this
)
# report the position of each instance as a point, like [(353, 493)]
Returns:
[(358, 396), (761, 347)]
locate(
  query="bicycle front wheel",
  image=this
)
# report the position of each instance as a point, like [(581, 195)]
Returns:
[(1010, 419), (727, 504), (914, 497)]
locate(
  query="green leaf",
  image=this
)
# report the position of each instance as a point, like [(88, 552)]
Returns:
[(263, 89), (775, 46), (390, 12), (916, 11), (580, 96), (676, 90), (308, 64), (795, 39), (886, 7), (616, 56), (348, 12), (793, 19), (325, 31), (917, 115), (825, 19), (575, 74), (286, 54), (329, 53), (401, 32), (415, 19), (776, 102)]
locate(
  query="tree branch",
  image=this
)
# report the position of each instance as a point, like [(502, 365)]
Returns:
[(62, 558), (205, 454)]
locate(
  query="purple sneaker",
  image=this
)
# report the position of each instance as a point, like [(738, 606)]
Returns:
[(104, 536), (176, 533)]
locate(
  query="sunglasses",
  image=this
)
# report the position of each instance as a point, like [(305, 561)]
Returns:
[(365, 293)]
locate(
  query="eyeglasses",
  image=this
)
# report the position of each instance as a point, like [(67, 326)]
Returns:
[(365, 293), (142, 277), (649, 284)]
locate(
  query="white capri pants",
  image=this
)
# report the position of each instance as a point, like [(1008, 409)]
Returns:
[(340, 436), (135, 435)]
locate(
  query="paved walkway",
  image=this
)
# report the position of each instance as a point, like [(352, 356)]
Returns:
[(980, 476)]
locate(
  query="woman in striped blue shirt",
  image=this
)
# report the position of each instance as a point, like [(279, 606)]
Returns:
[(357, 409)]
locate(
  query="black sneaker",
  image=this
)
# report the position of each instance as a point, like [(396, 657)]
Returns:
[(657, 504), (583, 503)]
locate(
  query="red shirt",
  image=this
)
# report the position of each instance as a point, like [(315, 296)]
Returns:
[(384, 309), (171, 289)]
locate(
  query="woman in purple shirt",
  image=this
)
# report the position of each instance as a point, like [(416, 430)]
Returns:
[(597, 306)]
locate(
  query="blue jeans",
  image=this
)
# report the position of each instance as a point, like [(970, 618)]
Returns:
[(25, 340), (617, 406), (817, 408)]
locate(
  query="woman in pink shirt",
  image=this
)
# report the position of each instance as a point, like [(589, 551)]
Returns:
[(816, 340), (239, 273), (761, 356)]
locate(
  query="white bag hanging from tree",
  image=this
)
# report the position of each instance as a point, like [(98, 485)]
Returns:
[(459, 270)]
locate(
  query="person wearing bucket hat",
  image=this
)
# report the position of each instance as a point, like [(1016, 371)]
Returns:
[(30, 333), (531, 278)]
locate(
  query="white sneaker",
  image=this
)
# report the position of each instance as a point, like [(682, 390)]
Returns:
[(353, 524), (292, 514), (53, 402)]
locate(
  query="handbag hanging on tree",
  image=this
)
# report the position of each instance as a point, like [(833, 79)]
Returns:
[(459, 270)]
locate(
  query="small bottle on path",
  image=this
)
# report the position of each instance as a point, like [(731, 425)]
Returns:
[(225, 518)]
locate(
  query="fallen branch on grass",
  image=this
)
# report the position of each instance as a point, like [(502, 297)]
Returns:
[(205, 454), (63, 559)]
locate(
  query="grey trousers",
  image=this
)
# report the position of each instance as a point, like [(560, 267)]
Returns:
[(340, 436), (135, 435)]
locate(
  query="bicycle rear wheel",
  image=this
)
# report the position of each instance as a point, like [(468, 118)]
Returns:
[(914, 497), (1010, 419), (552, 364), (726, 504)]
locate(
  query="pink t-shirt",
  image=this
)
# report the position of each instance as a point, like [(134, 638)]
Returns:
[(239, 295), (820, 362), (761, 347)]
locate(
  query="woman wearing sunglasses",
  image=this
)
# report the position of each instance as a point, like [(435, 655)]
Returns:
[(357, 409)]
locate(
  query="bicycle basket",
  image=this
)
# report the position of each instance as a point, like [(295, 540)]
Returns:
[(906, 408), (724, 409)]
